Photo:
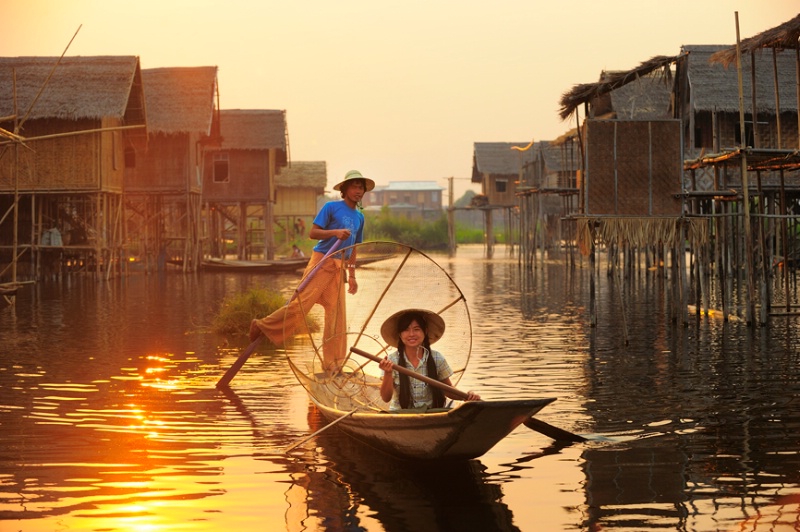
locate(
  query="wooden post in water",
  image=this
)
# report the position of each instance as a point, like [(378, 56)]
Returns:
[(748, 241), (592, 288)]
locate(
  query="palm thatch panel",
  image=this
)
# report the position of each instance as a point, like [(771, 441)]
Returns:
[(180, 100), (641, 232), (783, 37), (80, 88)]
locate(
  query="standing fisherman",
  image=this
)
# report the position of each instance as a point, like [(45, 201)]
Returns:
[(336, 220)]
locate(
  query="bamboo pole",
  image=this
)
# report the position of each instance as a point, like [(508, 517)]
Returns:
[(748, 241), (26, 140)]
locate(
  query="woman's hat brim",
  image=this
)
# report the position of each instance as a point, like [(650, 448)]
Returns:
[(434, 322)]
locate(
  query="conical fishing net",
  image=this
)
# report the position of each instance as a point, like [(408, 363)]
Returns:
[(324, 321)]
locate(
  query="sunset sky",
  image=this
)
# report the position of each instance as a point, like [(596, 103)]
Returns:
[(398, 90)]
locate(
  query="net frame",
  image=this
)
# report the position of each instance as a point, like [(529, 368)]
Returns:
[(391, 277)]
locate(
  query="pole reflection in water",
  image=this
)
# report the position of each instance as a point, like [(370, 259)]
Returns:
[(109, 419)]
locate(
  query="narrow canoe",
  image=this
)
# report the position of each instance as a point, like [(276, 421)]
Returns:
[(466, 431), (255, 266)]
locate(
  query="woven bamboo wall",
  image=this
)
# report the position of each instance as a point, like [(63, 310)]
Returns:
[(633, 168), (85, 162), (168, 165)]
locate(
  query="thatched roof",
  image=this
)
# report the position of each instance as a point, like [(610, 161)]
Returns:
[(180, 100), (557, 158), (586, 92), (80, 87), (253, 129), (312, 174), (783, 37), (714, 87), (498, 159), (645, 98)]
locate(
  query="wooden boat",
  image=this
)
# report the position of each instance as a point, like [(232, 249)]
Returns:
[(349, 398), (467, 431), (255, 266), (462, 432)]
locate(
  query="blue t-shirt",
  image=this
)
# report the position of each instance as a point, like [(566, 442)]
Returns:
[(337, 215)]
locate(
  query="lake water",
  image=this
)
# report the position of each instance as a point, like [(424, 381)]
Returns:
[(110, 420)]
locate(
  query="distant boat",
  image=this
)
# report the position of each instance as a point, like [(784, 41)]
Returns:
[(255, 266)]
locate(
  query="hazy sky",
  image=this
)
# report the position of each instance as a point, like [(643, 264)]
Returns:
[(397, 89)]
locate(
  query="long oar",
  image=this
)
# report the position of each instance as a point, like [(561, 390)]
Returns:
[(532, 423), (237, 365), (326, 427)]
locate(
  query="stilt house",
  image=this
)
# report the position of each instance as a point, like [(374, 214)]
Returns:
[(499, 168), (65, 126), (742, 108), (239, 182), (163, 183), (547, 195), (298, 186)]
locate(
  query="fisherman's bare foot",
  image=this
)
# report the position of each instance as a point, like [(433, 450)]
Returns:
[(255, 332)]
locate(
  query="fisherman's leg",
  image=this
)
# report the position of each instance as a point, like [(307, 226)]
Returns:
[(285, 320), (334, 347)]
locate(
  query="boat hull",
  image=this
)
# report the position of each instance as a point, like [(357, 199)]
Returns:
[(461, 433), (246, 266)]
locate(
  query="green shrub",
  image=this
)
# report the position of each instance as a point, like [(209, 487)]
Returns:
[(421, 234), (469, 235)]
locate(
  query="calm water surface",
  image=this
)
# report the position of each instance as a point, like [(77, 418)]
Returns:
[(109, 419)]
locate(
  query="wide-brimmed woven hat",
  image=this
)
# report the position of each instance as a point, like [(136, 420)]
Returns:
[(433, 323), (355, 174)]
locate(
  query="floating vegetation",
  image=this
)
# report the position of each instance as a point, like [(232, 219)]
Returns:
[(239, 310)]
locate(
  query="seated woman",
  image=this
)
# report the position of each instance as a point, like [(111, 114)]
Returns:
[(412, 332)]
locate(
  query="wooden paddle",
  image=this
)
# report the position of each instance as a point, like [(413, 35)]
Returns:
[(532, 423), (237, 365)]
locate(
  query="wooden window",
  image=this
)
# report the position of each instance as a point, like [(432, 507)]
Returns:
[(500, 185), (220, 168)]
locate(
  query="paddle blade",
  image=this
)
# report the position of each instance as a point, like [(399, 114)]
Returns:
[(552, 432)]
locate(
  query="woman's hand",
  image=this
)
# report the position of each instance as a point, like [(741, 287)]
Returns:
[(385, 364), (472, 396)]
